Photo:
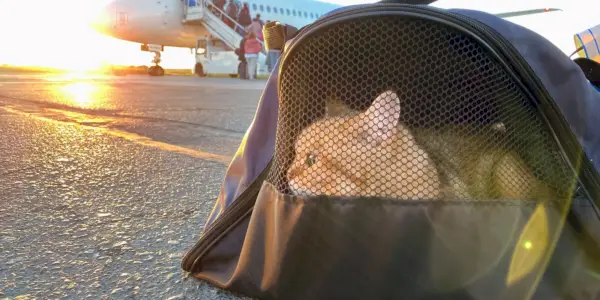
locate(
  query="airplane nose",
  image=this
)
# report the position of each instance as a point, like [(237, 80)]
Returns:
[(104, 21)]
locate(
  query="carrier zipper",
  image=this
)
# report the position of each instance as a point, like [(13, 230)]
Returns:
[(241, 207), (558, 125)]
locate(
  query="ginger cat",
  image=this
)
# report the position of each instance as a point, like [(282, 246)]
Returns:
[(373, 154)]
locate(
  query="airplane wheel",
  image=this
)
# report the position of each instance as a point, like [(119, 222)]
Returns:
[(199, 70), (160, 71), (156, 71)]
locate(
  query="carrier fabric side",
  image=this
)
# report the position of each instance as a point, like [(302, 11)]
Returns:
[(332, 247)]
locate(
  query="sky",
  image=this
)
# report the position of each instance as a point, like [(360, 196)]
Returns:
[(54, 33)]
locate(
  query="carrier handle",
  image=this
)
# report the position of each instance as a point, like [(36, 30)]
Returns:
[(277, 34)]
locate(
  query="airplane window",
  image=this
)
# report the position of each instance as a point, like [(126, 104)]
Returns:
[(262, 8), (312, 15), (288, 11), (305, 14), (294, 12), (254, 6), (268, 8)]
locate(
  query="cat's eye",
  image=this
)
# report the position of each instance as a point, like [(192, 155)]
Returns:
[(310, 159)]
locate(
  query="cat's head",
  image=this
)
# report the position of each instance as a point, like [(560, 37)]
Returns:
[(332, 154)]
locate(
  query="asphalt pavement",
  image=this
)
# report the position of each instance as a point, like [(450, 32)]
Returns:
[(105, 182)]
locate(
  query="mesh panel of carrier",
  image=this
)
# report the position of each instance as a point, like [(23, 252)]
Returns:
[(407, 108)]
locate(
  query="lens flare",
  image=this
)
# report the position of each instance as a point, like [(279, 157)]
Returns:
[(81, 93)]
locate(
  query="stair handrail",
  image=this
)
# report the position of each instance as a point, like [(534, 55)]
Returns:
[(236, 24)]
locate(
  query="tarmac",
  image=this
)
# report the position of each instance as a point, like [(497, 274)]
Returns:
[(107, 181)]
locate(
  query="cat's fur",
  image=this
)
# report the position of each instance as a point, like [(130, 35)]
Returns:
[(373, 154)]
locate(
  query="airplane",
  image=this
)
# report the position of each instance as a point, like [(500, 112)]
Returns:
[(156, 24)]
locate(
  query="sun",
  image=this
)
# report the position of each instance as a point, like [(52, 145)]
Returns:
[(61, 36)]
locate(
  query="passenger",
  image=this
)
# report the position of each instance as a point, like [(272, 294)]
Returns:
[(232, 12), (255, 28), (244, 17), (252, 47), (272, 58), (220, 4), (241, 54), (257, 18)]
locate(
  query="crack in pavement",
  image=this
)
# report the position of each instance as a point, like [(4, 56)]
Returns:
[(116, 113), (73, 118)]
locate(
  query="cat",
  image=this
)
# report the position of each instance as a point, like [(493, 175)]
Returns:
[(372, 153), (338, 162)]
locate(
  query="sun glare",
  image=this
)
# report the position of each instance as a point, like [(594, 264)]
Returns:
[(60, 37), (81, 90), (59, 34), (81, 93)]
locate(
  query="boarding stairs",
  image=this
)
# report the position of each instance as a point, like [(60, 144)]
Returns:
[(204, 12)]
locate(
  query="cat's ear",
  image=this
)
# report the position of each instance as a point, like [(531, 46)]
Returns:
[(380, 120)]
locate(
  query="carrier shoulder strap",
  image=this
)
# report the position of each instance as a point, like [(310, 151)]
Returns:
[(590, 68)]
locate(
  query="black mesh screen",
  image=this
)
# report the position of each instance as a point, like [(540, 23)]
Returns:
[(448, 120)]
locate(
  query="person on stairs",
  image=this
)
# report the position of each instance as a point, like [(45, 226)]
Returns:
[(244, 17), (256, 28), (251, 49), (257, 18), (220, 4), (232, 12)]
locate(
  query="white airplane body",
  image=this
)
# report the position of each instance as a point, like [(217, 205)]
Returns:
[(162, 22), (150, 22)]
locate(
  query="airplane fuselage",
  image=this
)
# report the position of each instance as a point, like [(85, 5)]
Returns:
[(160, 22), (150, 22)]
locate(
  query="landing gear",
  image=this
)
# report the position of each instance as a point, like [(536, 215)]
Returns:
[(199, 70), (156, 70)]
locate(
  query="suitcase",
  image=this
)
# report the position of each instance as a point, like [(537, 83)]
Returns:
[(242, 70)]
